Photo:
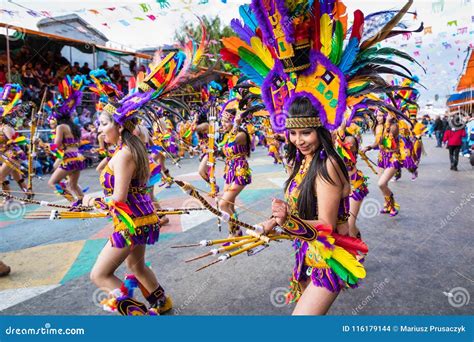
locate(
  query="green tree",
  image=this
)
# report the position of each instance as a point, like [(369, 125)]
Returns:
[(215, 31)]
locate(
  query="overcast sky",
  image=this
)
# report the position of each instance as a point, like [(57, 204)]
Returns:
[(442, 53)]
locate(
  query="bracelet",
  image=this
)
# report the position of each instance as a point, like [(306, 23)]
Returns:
[(300, 229)]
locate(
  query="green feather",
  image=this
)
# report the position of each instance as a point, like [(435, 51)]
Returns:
[(254, 61), (354, 90), (337, 43), (342, 272)]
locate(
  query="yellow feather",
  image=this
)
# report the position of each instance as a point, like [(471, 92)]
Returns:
[(349, 262), (255, 90), (354, 84), (326, 34), (262, 51)]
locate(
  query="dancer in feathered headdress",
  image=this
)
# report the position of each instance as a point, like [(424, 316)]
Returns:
[(235, 146), (410, 129), (126, 180), (67, 138), (10, 141), (295, 51)]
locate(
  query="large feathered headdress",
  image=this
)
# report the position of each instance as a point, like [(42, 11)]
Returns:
[(165, 75), (294, 48), (68, 98)]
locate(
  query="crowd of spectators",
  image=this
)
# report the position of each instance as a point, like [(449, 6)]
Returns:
[(35, 72)]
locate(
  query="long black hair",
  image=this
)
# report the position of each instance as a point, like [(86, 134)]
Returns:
[(75, 130), (233, 112), (139, 155), (307, 209)]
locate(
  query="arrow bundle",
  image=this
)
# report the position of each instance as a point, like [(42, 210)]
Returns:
[(233, 246)]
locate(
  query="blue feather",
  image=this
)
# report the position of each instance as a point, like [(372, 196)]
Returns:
[(154, 179), (250, 72), (248, 17), (349, 56), (244, 32)]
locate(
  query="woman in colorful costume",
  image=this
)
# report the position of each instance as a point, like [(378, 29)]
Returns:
[(236, 147), (10, 152), (67, 139), (273, 144), (387, 140), (126, 182), (347, 142), (312, 81)]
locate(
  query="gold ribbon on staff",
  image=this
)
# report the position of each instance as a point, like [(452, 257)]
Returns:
[(368, 162)]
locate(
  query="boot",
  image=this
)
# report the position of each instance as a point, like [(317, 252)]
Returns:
[(4, 269), (61, 189), (394, 207), (121, 300), (6, 189), (386, 209), (159, 302), (24, 188)]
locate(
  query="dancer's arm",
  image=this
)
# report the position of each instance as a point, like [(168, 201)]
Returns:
[(378, 135)]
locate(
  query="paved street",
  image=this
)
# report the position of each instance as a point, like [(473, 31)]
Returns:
[(419, 263)]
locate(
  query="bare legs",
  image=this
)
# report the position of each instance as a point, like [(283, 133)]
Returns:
[(110, 258), (227, 202), (315, 301)]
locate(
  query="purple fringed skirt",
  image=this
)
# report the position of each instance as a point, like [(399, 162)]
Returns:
[(14, 153), (320, 277), (145, 235), (237, 171), (409, 164), (359, 186), (73, 161), (389, 159)]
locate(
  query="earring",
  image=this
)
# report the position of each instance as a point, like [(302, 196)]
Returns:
[(298, 156), (322, 154)]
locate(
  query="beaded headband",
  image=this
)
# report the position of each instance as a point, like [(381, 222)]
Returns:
[(303, 122)]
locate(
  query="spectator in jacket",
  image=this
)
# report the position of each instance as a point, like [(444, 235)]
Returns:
[(438, 130), (453, 138)]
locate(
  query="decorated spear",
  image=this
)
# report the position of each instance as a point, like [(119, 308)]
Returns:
[(368, 162)]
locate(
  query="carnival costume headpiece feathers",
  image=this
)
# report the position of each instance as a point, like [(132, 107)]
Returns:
[(103, 86), (68, 98), (10, 97), (295, 48), (165, 75)]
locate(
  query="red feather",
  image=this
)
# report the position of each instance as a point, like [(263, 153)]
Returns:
[(230, 57), (316, 32), (124, 206), (351, 244), (323, 229), (358, 26)]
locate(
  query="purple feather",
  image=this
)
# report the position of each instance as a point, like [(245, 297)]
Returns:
[(262, 17), (243, 31), (286, 21)]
